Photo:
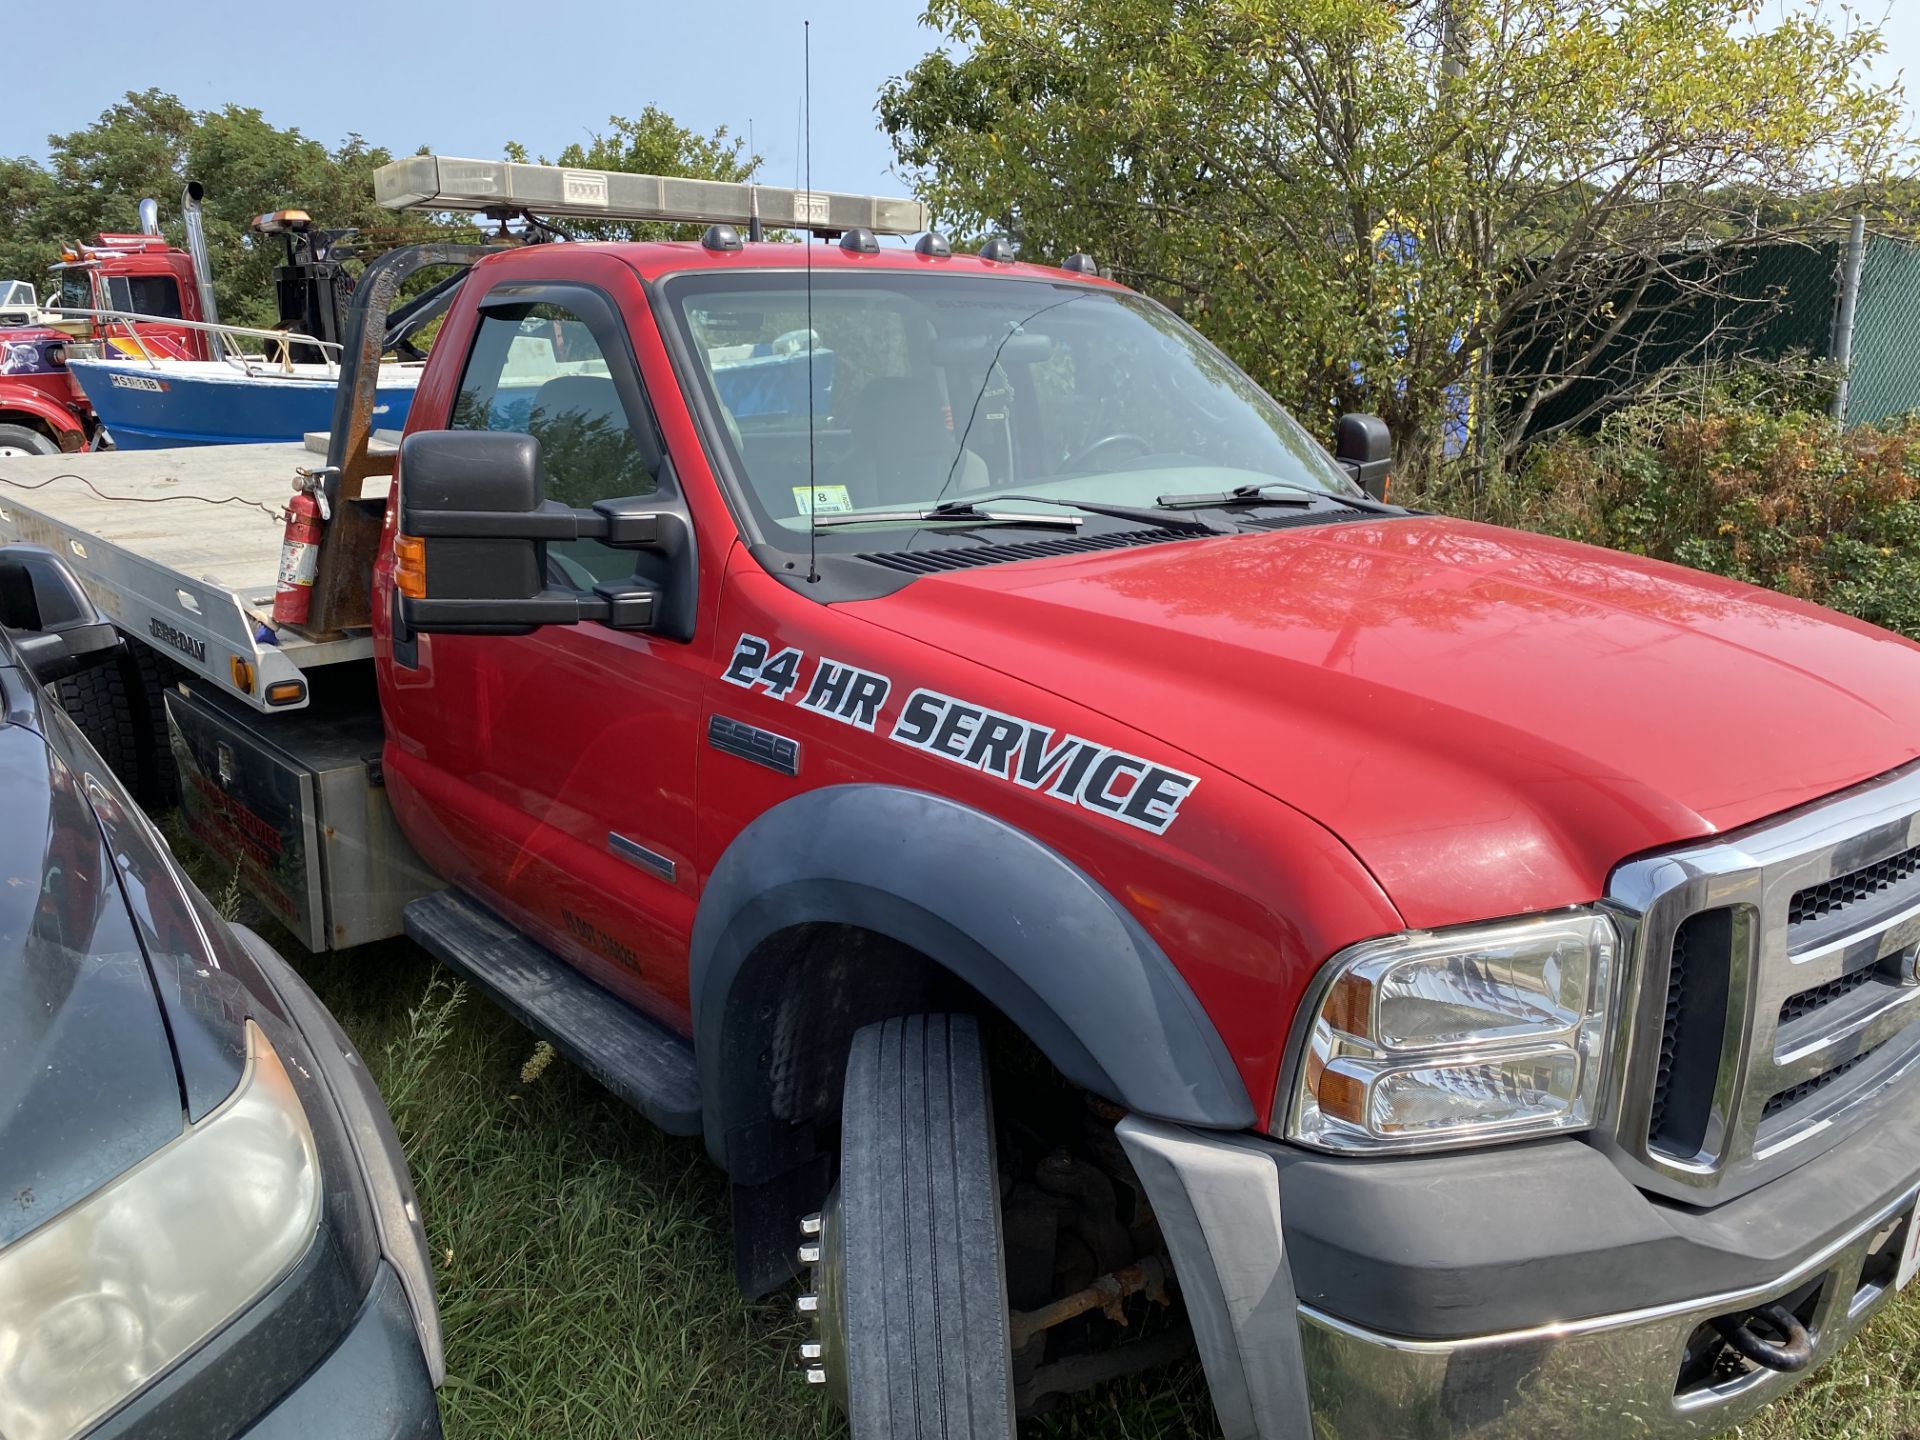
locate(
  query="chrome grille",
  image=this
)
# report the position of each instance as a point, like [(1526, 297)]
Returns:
[(1817, 902), (1808, 1002), (1773, 1008)]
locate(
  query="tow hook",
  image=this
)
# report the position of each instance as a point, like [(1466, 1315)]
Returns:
[(1791, 1353)]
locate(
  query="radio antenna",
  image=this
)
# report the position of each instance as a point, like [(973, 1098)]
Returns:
[(806, 239)]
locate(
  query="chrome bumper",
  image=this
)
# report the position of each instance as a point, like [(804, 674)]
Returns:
[(1279, 1368)]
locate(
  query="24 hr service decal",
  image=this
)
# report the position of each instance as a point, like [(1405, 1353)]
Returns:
[(1074, 770)]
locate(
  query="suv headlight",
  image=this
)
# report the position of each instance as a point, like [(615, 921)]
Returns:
[(1492, 1032), (110, 1292)]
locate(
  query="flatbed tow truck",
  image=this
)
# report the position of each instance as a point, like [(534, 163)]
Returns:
[(1102, 881)]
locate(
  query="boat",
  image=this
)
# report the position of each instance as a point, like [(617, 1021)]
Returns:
[(157, 404), (174, 376)]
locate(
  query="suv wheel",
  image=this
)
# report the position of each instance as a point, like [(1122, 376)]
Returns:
[(910, 1292)]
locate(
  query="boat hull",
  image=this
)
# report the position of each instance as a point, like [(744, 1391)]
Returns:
[(169, 404)]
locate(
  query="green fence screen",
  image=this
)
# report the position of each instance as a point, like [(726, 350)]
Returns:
[(1885, 375), (1769, 302)]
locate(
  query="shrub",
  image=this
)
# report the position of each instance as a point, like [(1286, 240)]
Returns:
[(1727, 479)]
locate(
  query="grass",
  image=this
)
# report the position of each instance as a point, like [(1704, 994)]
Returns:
[(585, 1272)]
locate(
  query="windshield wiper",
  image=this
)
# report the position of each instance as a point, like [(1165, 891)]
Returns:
[(1258, 495), (1141, 514), (952, 513)]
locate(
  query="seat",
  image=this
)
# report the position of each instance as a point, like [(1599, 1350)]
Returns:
[(585, 441), (903, 447)]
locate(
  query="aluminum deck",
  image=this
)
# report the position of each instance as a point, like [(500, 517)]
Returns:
[(194, 580)]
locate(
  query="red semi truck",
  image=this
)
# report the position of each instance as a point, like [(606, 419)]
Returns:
[(42, 407), (1100, 880)]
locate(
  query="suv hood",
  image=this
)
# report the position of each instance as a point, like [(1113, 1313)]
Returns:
[(1491, 720), (87, 1079)]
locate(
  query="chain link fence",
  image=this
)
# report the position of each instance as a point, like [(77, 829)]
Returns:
[(1884, 378), (1738, 303)]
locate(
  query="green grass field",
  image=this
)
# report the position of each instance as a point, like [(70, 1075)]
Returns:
[(585, 1274)]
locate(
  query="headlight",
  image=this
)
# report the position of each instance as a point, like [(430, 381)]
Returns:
[(1492, 1032), (103, 1297)]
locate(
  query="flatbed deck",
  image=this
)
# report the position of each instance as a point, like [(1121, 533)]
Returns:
[(191, 578)]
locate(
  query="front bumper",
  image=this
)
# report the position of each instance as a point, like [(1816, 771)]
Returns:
[(374, 1386), (1525, 1293)]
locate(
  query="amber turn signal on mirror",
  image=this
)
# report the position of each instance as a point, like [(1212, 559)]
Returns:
[(410, 566)]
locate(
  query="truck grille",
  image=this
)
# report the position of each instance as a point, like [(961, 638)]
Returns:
[(1817, 902), (1776, 1010)]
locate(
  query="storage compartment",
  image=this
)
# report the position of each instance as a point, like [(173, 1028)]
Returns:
[(295, 803)]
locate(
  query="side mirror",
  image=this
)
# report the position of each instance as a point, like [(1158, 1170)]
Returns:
[(1364, 448), (475, 523), (54, 627)]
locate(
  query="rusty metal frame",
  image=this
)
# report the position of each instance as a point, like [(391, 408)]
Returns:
[(342, 590)]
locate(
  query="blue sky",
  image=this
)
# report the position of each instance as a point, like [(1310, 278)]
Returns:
[(464, 78)]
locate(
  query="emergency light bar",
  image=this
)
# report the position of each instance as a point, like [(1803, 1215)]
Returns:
[(436, 182)]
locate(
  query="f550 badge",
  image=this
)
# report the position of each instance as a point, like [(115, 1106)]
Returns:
[(1076, 771)]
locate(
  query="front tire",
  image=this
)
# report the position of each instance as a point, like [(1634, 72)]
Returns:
[(25, 440), (914, 1307)]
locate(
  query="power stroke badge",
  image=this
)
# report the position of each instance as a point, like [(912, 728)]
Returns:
[(1069, 768)]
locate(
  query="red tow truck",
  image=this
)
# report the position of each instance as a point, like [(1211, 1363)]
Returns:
[(42, 407), (1102, 881)]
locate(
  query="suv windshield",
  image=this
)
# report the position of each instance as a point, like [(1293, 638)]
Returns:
[(928, 388)]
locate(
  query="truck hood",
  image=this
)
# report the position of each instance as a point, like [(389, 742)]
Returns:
[(87, 1080), (1490, 720)]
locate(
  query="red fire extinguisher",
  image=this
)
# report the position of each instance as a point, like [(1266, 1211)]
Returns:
[(299, 560)]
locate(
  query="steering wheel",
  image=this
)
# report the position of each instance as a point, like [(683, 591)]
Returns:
[(1141, 446)]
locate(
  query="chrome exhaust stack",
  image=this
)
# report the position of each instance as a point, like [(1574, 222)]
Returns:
[(202, 269), (149, 217)]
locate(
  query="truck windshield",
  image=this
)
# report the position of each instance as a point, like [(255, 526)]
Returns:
[(928, 387), (76, 288)]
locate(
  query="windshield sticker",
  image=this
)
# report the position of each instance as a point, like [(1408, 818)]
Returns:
[(825, 499), (1070, 768)]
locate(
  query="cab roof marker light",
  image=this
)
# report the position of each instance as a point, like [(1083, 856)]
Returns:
[(441, 182)]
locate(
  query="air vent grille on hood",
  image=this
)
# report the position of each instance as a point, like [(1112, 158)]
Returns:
[(1305, 517), (934, 562)]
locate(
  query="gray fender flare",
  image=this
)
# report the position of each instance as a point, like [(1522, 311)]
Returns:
[(1017, 921)]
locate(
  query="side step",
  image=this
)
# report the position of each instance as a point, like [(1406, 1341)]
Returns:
[(635, 1057)]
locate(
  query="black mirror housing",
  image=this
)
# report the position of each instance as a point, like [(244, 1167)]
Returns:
[(475, 501), (54, 627), (1364, 447)]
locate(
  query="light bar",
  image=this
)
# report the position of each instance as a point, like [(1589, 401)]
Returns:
[(438, 182)]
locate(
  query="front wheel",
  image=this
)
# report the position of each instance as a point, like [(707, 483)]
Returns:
[(910, 1288), (25, 440)]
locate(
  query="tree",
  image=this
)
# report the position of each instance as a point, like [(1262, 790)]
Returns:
[(1365, 200), (150, 144), (653, 144)]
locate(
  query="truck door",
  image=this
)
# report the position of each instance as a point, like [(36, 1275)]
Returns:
[(580, 741)]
